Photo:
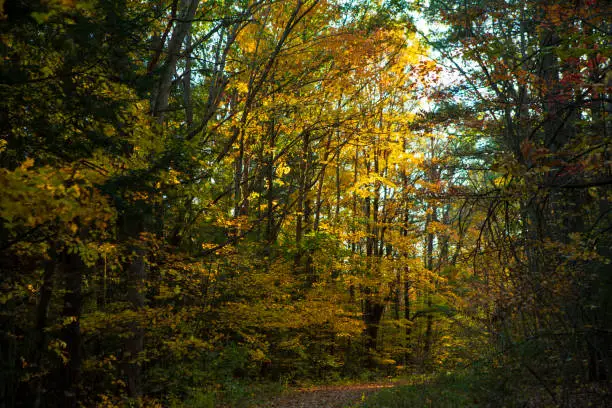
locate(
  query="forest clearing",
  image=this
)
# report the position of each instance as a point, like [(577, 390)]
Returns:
[(286, 203)]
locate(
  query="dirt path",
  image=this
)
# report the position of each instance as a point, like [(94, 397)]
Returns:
[(325, 396)]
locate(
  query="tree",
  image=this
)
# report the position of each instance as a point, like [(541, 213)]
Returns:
[(527, 67)]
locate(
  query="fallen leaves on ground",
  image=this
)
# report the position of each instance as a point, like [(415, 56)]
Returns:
[(325, 396)]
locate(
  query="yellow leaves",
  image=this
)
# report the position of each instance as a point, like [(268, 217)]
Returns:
[(242, 87), (385, 181), (27, 163), (248, 38), (435, 227), (367, 185), (173, 177), (58, 347), (362, 192), (108, 130), (240, 222), (282, 169), (62, 198), (167, 292), (258, 355)]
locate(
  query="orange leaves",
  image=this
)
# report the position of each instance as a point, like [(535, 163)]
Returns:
[(234, 223)]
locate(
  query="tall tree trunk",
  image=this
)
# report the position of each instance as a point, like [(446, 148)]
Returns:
[(321, 181), (407, 316), (373, 305), (405, 269), (429, 265), (181, 29), (238, 175), (270, 224), (397, 294), (70, 373), (372, 315), (308, 266), (187, 100), (134, 344), (304, 210), (42, 313), (132, 226)]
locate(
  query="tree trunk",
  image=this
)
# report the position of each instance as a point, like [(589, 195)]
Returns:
[(270, 226), (432, 217), (187, 84), (303, 205), (42, 313), (429, 267), (173, 52), (132, 225), (70, 373), (372, 315), (134, 344), (407, 316)]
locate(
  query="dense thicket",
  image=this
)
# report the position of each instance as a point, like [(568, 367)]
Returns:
[(200, 193), (535, 90)]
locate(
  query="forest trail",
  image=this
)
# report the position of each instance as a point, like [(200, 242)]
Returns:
[(329, 396)]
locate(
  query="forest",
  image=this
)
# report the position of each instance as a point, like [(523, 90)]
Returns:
[(211, 203)]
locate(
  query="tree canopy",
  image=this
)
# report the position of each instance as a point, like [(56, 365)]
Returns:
[(203, 193)]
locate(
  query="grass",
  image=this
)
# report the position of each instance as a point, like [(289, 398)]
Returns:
[(235, 394), (442, 391)]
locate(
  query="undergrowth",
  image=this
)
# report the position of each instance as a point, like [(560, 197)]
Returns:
[(490, 387)]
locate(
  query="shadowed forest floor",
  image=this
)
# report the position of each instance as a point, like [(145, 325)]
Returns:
[(335, 396)]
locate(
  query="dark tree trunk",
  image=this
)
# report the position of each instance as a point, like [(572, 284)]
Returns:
[(70, 373), (372, 315), (134, 344), (42, 313)]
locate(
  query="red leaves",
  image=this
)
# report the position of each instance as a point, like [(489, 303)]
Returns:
[(596, 61)]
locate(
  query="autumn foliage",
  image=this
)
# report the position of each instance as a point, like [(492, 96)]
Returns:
[(198, 195)]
